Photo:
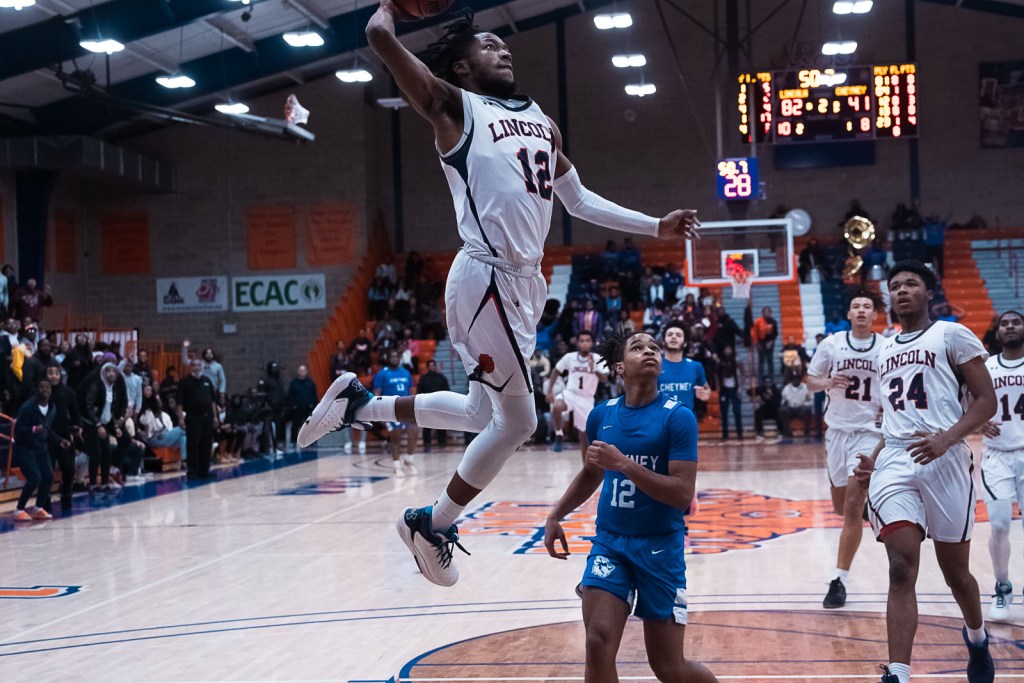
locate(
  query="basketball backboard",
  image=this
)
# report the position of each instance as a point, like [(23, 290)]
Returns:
[(762, 247)]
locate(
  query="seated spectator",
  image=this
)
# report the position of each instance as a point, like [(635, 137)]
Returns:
[(876, 260), (413, 266), (836, 323), (610, 260), (766, 407), (655, 289), (168, 386), (28, 301), (63, 349), (794, 359), (654, 315), (689, 310), (340, 362), (387, 272), (812, 257), (377, 298), (402, 298), (630, 260), (360, 352), (411, 351), (587, 319), (385, 335), (612, 303), (156, 427), (229, 436), (625, 324), (949, 312), (672, 280), (796, 405), (432, 381)]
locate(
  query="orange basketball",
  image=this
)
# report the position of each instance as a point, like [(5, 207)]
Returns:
[(420, 9)]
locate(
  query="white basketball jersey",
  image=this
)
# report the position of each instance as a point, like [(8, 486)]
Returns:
[(855, 407), (921, 387), (500, 176), (583, 378), (1008, 379)]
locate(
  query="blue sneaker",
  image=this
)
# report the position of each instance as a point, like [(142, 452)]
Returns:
[(336, 410), (980, 668), (431, 550), (559, 445)]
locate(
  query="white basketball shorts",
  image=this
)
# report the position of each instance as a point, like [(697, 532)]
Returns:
[(841, 451), (579, 406), (1002, 475), (493, 311), (939, 497)]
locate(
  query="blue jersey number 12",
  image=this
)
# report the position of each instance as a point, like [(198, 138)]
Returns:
[(622, 493)]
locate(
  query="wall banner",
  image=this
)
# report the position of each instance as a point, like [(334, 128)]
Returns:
[(298, 292), (191, 294)]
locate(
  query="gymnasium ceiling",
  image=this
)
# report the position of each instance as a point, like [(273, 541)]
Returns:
[(232, 50)]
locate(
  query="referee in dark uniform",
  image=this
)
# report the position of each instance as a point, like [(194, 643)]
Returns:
[(196, 399)]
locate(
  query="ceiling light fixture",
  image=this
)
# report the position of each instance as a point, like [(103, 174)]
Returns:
[(610, 21), (355, 75), (232, 108), (852, 6), (839, 47), (16, 5), (103, 46), (176, 81), (640, 89), (626, 61), (304, 39)]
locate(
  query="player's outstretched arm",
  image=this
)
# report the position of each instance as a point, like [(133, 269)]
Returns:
[(434, 99), (589, 206), (579, 491)]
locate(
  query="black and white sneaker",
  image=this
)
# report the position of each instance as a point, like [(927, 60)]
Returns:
[(336, 410), (980, 667), (836, 596), (888, 676), (431, 550), (1001, 601)]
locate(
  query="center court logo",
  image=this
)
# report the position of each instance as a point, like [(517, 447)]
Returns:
[(725, 520)]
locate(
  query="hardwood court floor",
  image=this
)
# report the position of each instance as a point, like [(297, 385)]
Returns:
[(292, 571)]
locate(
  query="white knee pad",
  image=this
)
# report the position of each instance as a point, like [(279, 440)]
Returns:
[(448, 410), (514, 420)]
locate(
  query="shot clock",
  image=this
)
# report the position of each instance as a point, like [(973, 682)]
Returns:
[(737, 179)]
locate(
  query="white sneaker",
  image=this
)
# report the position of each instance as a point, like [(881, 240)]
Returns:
[(397, 465), (407, 461), (347, 448), (362, 447), (336, 410), (431, 550), (1001, 601)]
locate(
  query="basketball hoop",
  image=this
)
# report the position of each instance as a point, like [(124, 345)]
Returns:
[(740, 278)]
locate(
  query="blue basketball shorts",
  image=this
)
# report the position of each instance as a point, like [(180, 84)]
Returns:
[(646, 572)]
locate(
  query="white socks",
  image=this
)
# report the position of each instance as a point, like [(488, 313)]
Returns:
[(901, 671), (379, 409), (976, 635), (444, 513), (842, 574)]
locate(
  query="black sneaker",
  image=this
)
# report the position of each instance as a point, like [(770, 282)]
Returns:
[(431, 550), (336, 410), (888, 676), (980, 668), (836, 596)]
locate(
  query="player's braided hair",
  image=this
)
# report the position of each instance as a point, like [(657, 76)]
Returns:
[(613, 349), (441, 55), (864, 293)]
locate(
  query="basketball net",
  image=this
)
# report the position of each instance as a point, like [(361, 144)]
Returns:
[(740, 278)]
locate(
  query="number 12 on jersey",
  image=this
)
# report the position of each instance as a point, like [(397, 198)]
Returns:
[(623, 491), (543, 162)]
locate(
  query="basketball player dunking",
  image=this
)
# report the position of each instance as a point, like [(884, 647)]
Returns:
[(1002, 465), (919, 477), (844, 367), (582, 371), (501, 156)]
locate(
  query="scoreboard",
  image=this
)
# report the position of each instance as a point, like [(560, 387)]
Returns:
[(829, 105)]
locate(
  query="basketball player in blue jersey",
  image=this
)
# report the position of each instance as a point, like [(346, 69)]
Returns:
[(919, 477), (1002, 465), (395, 380), (502, 158), (643, 449), (681, 378)]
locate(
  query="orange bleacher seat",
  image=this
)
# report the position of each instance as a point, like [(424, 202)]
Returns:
[(170, 457)]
